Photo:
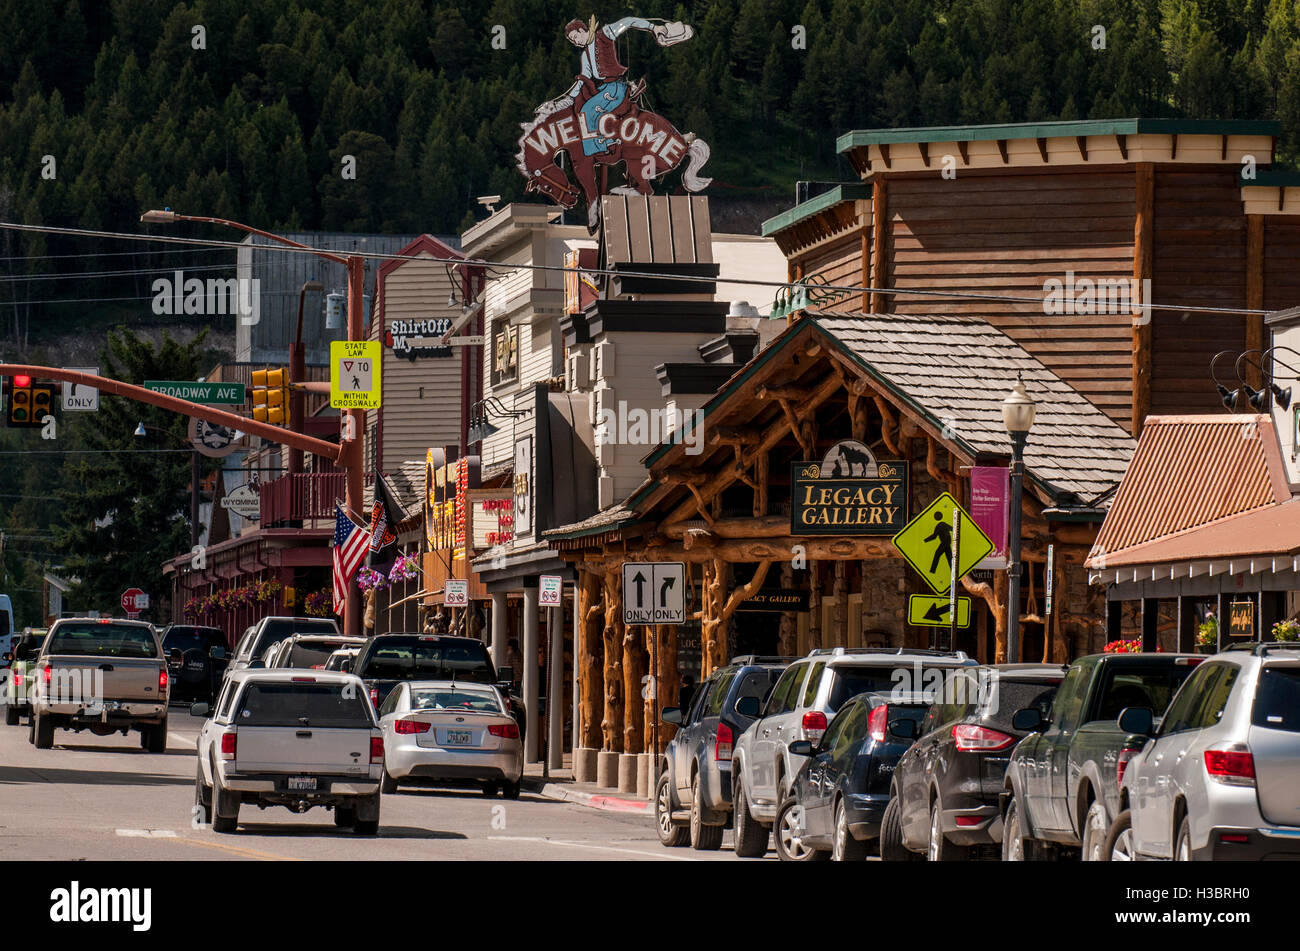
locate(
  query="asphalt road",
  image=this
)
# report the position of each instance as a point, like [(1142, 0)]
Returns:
[(104, 798)]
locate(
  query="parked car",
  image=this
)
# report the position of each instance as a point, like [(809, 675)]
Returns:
[(20, 660), (1220, 777), (838, 797), (693, 794), (342, 659), (809, 693), (945, 790), (196, 659), (385, 660), (1061, 790), (285, 738), (440, 731), (310, 651), (269, 631), (101, 675)]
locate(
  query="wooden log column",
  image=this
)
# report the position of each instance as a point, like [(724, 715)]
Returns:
[(1255, 332), (789, 624), (634, 669), (718, 610), (1143, 266), (591, 679), (880, 243), (611, 724), (668, 683)]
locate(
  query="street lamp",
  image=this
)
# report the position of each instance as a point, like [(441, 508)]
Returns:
[(141, 431), (1018, 411)]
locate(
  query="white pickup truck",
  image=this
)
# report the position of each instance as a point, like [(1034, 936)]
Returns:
[(103, 675), (292, 738)]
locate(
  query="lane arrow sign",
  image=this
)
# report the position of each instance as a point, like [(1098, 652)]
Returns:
[(669, 582), (639, 579)]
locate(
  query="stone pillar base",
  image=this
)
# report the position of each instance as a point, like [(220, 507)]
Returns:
[(584, 765), (645, 775), (627, 772), (607, 769)]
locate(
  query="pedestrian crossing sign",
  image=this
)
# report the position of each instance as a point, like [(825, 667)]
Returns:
[(926, 543), (355, 374)]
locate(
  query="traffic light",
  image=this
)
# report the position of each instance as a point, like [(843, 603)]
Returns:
[(270, 396), (28, 402)]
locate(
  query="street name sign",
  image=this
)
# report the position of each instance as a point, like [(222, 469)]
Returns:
[(355, 371), (456, 593), (79, 398), (654, 592), (210, 393), (551, 588), (926, 543), (934, 610)]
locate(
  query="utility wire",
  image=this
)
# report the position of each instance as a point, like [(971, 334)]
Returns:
[(477, 262)]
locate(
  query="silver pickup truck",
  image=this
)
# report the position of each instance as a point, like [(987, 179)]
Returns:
[(102, 675)]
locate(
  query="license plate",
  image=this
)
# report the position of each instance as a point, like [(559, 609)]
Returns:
[(306, 783), (459, 737)]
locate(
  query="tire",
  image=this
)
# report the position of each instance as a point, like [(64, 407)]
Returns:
[(846, 848), (940, 849), (1183, 842), (225, 806), (751, 836), (1095, 830), (1016, 847), (387, 784), (345, 817), (891, 836), (11, 715), (511, 790), (703, 838), (1119, 839), (202, 795), (42, 731), (670, 835), (788, 847)]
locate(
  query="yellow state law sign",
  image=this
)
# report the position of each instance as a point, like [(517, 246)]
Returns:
[(355, 374), (926, 543)]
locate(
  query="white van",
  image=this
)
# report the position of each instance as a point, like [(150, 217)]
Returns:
[(7, 635)]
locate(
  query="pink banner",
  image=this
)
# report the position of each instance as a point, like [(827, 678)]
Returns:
[(989, 490)]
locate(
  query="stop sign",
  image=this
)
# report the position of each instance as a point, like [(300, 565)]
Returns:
[(131, 599)]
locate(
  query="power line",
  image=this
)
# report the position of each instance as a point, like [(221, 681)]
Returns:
[(478, 262), (87, 275), (83, 452)]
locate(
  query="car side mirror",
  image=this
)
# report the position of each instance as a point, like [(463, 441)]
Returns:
[(1027, 720), (671, 715), (217, 653), (506, 675), (1138, 720), (199, 709), (802, 748), (904, 728), (747, 707)]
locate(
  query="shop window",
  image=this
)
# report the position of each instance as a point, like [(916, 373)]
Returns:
[(505, 353)]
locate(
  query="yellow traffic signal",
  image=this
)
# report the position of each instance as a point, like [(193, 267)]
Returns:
[(29, 402), (270, 396)]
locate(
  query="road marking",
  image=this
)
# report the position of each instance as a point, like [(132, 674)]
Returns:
[(191, 742), (584, 845), (147, 833), (236, 850)]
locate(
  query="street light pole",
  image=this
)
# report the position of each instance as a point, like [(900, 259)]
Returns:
[(1018, 412)]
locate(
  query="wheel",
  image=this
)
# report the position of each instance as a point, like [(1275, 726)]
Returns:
[(202, 796), (510, 790), (1095, 828), (11, 716), (387, 784), (751, 836), (670, 835), (1016, 847), (225, 806), (703, 838), (42, 731), (345, 817), (1119, 840), (891, 835), (1183, 843), (845, 848), (940, 849), (789, 832)]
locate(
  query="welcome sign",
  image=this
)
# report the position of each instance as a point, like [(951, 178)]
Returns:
[(823, 502)]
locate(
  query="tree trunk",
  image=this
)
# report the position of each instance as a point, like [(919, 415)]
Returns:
[(633, 690), (590, 664), (611, 724)]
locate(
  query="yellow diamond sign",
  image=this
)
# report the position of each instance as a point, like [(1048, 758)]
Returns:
[(355, 374), (926, 543)]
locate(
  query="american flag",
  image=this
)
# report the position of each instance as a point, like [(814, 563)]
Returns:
[(350, 544)]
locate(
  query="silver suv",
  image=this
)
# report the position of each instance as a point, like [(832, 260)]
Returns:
[(800, 706), (1220, 778)]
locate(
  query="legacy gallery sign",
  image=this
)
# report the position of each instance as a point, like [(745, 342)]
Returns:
[(848, 493)]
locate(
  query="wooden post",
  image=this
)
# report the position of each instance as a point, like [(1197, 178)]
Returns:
[(711, 621), (591, 666), (1186, 626), (1255, 332), (840, 605), (611, 724), (1150, 623), (1143, 265), (880, 241), (760, 477), (634, 669), (1114, 620), (789, 624), (814, 605), (668, 682)]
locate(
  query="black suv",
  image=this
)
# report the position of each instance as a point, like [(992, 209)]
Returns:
[(196, 661), (693, 796), (385, 660), (946, 788)]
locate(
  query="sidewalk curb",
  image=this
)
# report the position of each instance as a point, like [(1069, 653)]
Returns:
[(562, 793)]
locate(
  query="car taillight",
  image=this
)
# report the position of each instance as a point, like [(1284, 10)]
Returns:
[(509, 731), (45, 676), (722, 745), (969, 820), (1234, 767), (304, 680), (407, 727), (162, 681), (376, 749), (374, 696), (814, 725), (18, 678), (228, 745), (878, 722), (979, 739), (1122, 764)]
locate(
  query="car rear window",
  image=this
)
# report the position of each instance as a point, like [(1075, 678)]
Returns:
[(755, 683), (276, 631), (1012, 695), (1133, 686), (476, 701), (103, 640), (851, 681), (414, 659), (308, 654), (290, 704), (191, 638), (1277, 699)]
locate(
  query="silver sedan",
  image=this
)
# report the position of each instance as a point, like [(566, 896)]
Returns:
[(439, 732)]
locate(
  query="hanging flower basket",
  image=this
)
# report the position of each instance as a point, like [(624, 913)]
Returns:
[(319, 603), (1124, 647), (370, 580), (1288, 630), (405, 568)]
